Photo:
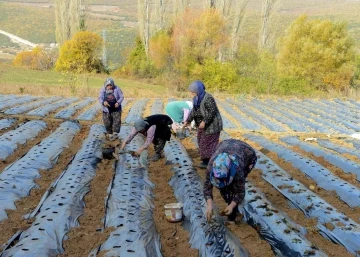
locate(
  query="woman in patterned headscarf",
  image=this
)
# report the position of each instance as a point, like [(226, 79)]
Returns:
[(207, 119), (227, 170)]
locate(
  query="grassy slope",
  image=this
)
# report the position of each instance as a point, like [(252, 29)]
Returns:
[(36, 24), (13, 80)]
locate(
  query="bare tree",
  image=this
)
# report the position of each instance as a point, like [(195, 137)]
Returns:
[(69, 18), (225, 6), (144, 22), (179, 6), (210, 4), (268, 9), (161, 8), (239, 17)]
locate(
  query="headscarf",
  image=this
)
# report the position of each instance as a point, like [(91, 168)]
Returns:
[(140, 124), (223, 170), (109, 81), (190, 104), (198, 88)]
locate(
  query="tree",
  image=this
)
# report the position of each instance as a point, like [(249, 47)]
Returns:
[(179, 6), (160, 50), (216, 75), (210, 4), (82, 53), (268, 9), (196, 38), (138, 64), (317, 50), (223, 6), (161, 13), (69, 19), (37, 59), (144, 22), (239, 16)]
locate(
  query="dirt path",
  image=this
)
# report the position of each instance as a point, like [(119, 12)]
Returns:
[(173, 237), (90, 233), (17, 39)]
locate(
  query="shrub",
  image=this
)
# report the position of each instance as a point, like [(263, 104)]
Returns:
[(82, 53), (36, 59), (216, 75), (138, 64), (317, 50)]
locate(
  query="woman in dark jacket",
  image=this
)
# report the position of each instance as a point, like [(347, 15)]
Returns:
[(156, 128), (207, 119), (227, 170)]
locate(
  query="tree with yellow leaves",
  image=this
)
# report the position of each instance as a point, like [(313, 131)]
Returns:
[(80, 54), (320, 51), (36, 59), (160, 50), (196, 38)]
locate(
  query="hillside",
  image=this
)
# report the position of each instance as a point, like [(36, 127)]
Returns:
[(117, 21)]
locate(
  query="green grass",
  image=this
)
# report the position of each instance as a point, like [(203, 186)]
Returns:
[(29, 22), (37, 24), (15, 77)]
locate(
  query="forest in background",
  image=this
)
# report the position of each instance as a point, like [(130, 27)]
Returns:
[(239, 62)]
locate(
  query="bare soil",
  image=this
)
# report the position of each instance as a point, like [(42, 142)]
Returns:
[(174, 238), (90, 232)]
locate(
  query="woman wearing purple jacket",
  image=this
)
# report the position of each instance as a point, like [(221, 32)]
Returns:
[(110, 98)]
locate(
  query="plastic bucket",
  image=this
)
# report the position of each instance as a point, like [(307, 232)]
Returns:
[(174, 212)]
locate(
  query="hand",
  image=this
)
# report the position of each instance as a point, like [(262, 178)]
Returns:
[(184, 124), (122, 146), (230, 208), (116, 105), (106, 104), (137, 153), (208, 213), (209, 209), (202, 125)]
